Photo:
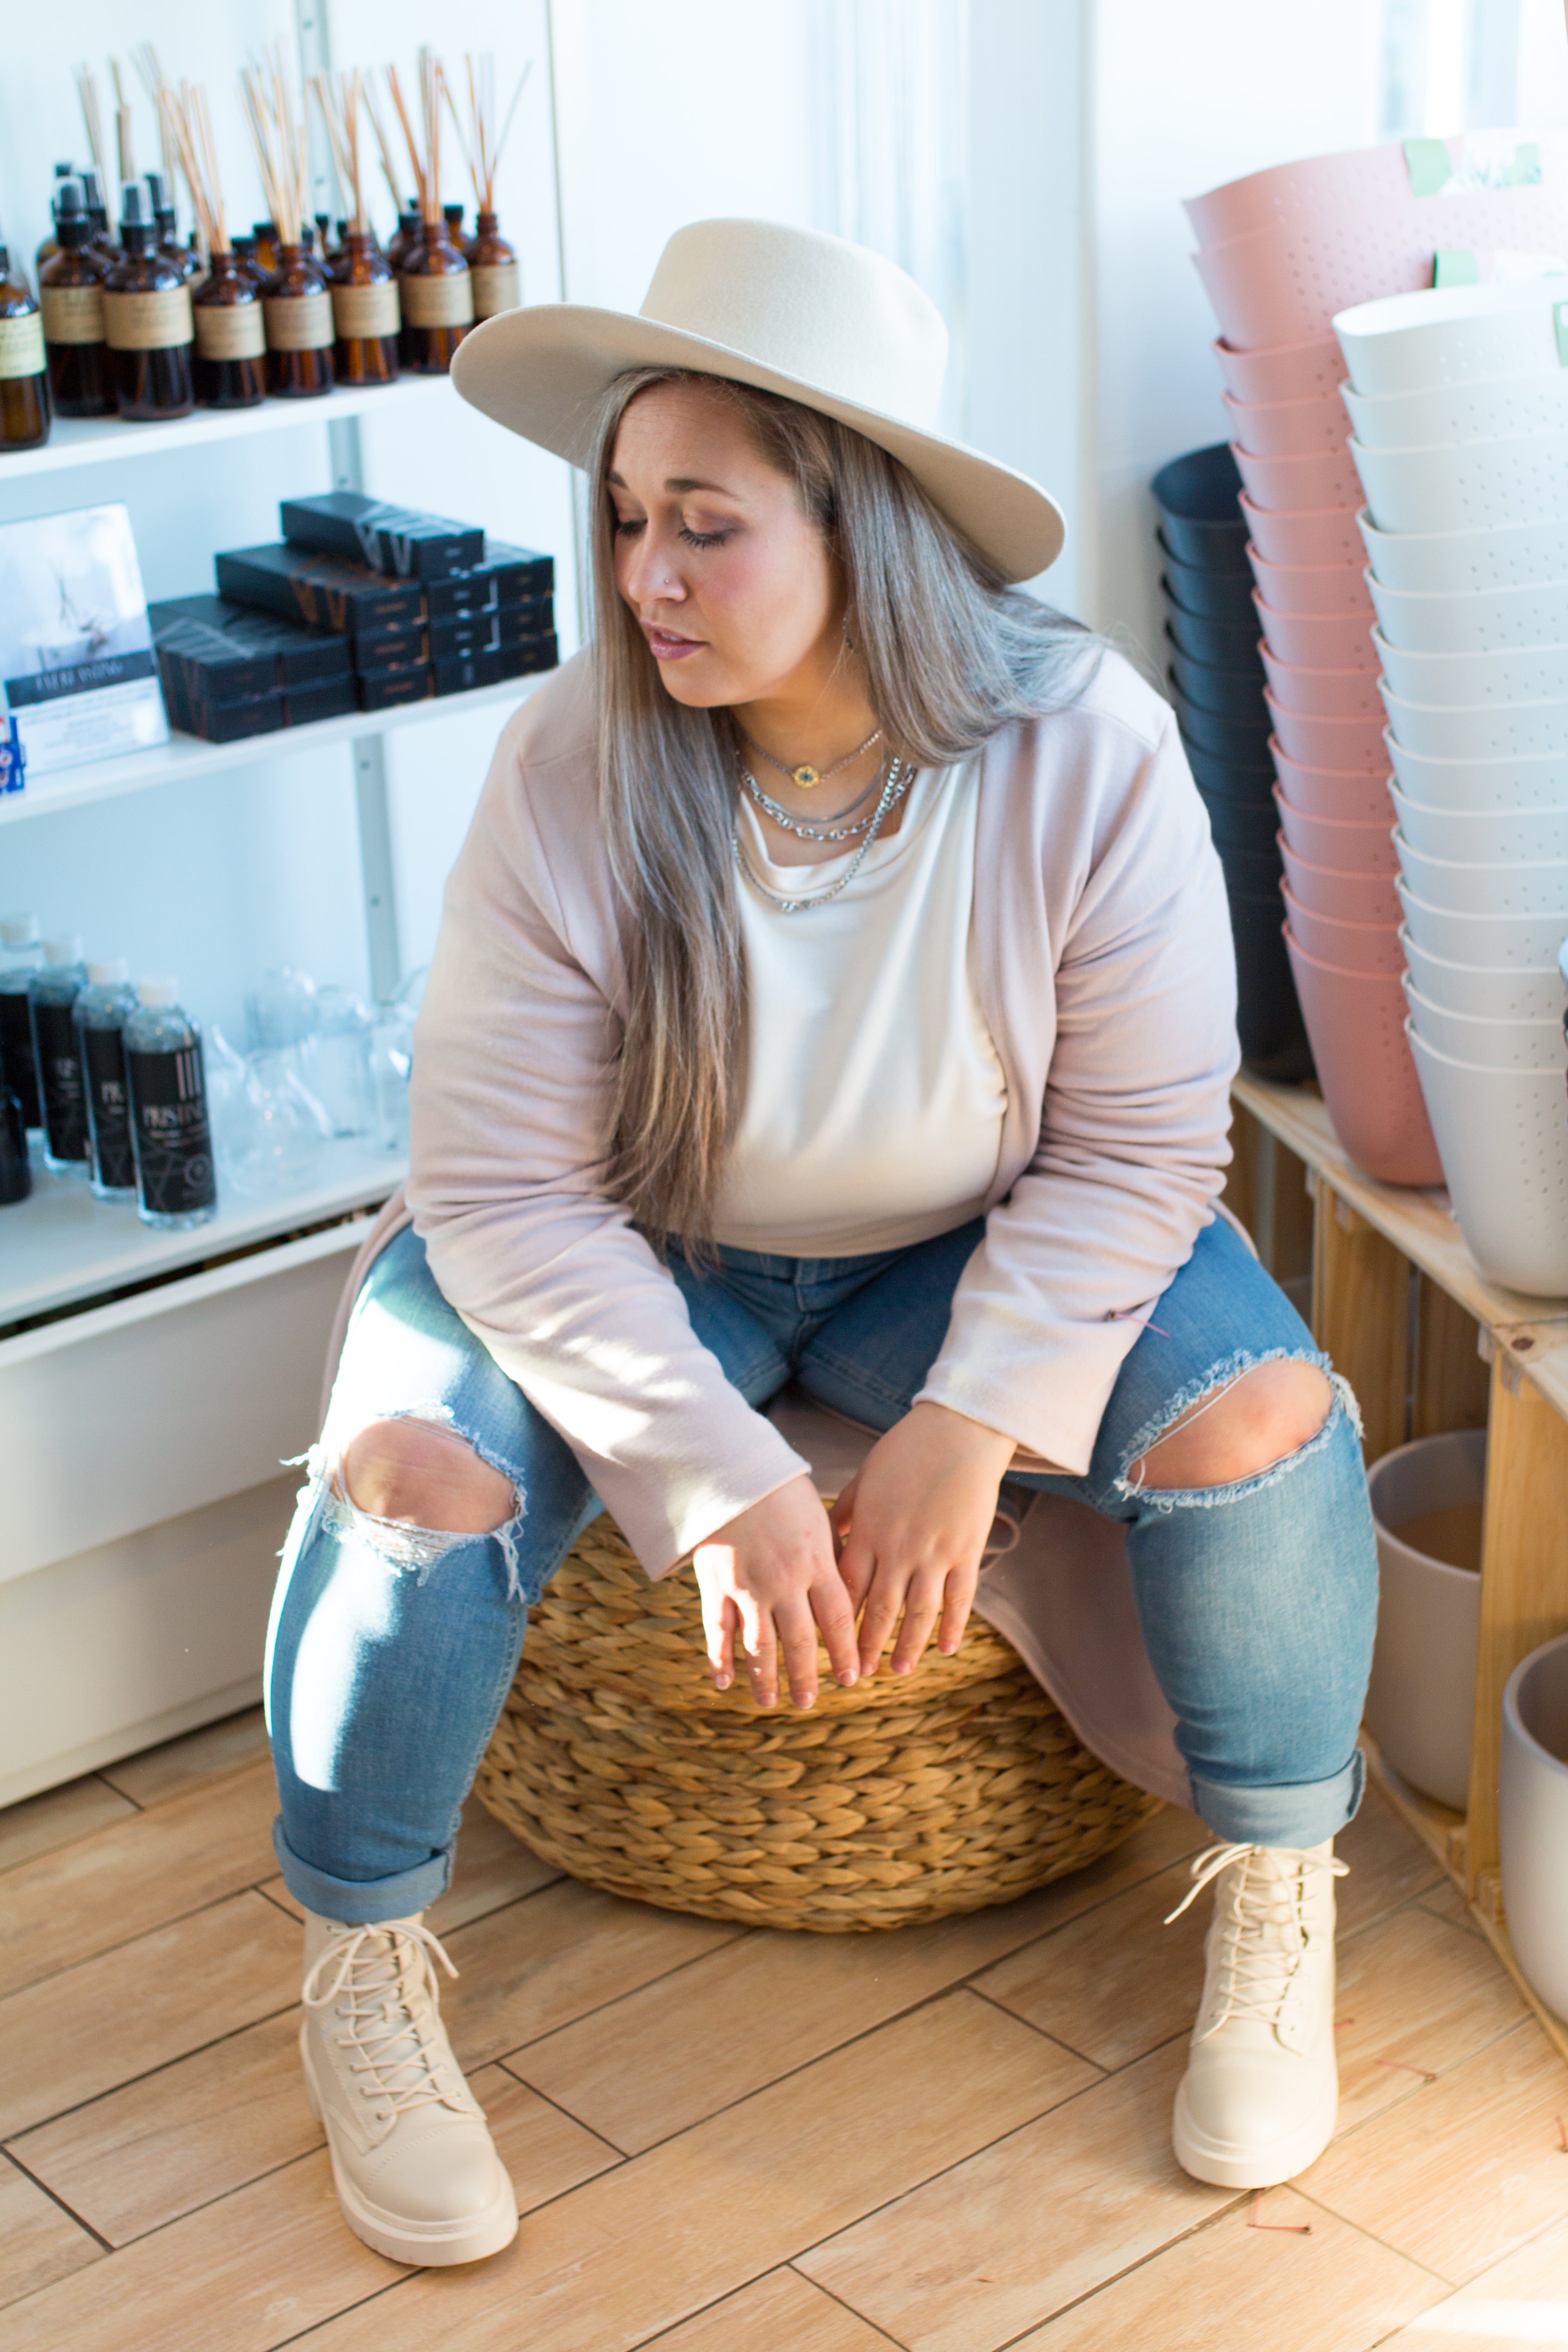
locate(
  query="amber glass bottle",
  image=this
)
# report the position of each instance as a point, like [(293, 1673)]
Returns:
[(23, 370), (147, 320), (365, 311), (299, 330), (406, 239), (51, 244), (92, 197), (498, 281), (437, 292), (231, 337), (70, 296), (268, 250)]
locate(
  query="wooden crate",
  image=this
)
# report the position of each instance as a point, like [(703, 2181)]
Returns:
[(1428, 1344)]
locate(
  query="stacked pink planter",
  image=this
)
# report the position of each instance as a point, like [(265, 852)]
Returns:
[(1282, 252)]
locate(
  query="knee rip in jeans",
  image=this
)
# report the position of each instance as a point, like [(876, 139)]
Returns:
[(1207, 1390), (396, 1544)]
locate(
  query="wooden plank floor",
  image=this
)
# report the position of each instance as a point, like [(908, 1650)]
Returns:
[(952, 2138)]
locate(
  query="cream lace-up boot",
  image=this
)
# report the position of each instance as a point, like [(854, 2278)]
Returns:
[(1261, 2093), (416, 2171)]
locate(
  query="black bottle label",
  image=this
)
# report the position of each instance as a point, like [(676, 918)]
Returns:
[(173, 1140), (60, 1082), (16, 1055), (103, 1055)]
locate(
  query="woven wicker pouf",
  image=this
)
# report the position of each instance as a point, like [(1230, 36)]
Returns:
[(899, 1800)]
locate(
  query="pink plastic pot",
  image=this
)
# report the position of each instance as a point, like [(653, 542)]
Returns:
[(1289, 372), (1355, 1021), (1317, 536), (1345, 796), (1323, 588), (1323, 693), (1350, 947), (1348, 898), (1334, 846), (1327, 742), (1288, 428), (1317, 640), (1327, 478), (1369, 183)]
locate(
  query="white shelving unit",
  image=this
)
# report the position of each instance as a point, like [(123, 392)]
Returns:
[(99, 440)]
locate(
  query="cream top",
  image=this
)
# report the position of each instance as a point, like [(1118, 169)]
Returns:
[(875, 1096)]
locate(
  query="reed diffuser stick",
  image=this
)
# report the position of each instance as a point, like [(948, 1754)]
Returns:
[(184, 108), (144, 57), (122, 131), (389, 168), (92, 118), (481, 143)]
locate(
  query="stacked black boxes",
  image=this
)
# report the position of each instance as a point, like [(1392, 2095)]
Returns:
[(229, 672), (422, 606), (1216, 683)]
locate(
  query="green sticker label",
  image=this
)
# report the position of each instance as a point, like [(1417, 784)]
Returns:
[(1454, 265), (1426, 160)]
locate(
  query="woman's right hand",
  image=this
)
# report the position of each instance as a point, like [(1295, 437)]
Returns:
[(771, 1575)]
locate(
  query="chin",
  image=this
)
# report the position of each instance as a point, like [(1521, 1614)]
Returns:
[(696, 693)]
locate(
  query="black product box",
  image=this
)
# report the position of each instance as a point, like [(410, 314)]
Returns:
[(305, 703), (384, 689), (347, 600), (463, 672), (384, 649), (228, 651), (487, 632), (509, 575), (221, 722), (397, 541)]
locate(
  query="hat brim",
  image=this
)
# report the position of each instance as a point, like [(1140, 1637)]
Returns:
[(541, 371)]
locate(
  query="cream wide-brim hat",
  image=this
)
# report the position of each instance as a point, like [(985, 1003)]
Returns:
[(823, 321)]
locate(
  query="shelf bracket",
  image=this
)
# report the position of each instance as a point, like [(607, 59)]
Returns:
[(378, 865)]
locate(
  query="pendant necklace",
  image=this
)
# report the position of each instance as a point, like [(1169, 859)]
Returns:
[(806, 775), (832, 828), (900, 775)]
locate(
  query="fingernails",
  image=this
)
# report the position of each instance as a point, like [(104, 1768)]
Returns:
[(808, 1698), (901, 1666), (849, 1680), (722, 1682)]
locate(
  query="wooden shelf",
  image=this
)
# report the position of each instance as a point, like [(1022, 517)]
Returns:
[(186, 756), (103, 440)]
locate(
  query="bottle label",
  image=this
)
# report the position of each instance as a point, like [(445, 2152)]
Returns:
[(229, 331), (72, 314), (173, 1140), (498, 286), (147, 322), (299, 322), (60, 1081), (22, 345), (438, 301), (363, 312), (109, 1106)]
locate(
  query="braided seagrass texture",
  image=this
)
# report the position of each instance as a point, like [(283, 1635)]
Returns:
[(899, 1800)]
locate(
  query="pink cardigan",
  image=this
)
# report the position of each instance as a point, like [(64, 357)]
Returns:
[(1107, 980)]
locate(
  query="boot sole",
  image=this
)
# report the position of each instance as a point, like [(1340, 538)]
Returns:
[(1226, 2166), (425, 2245)]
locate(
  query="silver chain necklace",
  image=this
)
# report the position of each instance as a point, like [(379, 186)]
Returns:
[(898, 778), (832, 829)]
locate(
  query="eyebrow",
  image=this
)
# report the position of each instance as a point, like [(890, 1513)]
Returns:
[(678, 483)]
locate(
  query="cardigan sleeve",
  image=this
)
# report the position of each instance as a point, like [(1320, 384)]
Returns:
[(1132, 1137), (508, 1097)]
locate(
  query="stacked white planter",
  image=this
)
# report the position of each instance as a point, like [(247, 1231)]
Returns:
[(1459, 403)]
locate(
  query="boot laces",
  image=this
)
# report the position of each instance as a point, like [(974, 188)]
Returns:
[(1261, 1932), (384, 1981)]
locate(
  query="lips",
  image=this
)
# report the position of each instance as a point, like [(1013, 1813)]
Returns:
[(668, 645)]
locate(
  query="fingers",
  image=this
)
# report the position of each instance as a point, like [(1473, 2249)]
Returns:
[(835, 1611), (879, 1617), (856, 1566), (843, 1510), (798, 1633), (719, 1623), (923, 1601), (958, 1599), (761, 1646)]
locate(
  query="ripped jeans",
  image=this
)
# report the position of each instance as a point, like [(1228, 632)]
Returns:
[(392, 1648)]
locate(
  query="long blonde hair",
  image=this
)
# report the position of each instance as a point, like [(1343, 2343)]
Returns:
[(952, 655)]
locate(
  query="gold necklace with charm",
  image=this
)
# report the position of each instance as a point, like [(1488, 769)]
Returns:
[(806, 775)]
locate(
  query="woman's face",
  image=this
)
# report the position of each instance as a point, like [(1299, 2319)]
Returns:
[(737, 595)]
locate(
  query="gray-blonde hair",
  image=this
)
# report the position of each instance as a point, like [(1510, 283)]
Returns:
[(952, 655)]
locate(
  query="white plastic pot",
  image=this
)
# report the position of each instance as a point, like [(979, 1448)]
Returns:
[(1498, 408), (1465, 484), (1474, 620), (1445, 562), (1532, 1819), (1490, 1044), (1504, 1142), (1458, 334), (1524, 888), (1470, 730), (1482, 836), (1420, 1703), (1518, 942), (1525, 674), (1497, 993), (1540, 781)]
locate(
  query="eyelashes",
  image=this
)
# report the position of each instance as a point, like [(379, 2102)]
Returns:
[(699, 539)]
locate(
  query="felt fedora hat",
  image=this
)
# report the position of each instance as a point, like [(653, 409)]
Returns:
[(823, 321)]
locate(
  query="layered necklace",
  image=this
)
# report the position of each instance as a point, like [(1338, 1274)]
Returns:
[(895, 778)]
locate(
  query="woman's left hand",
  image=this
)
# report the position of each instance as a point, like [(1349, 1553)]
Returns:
[(913, 1523)]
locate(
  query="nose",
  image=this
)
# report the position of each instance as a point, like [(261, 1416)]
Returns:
[(651, 575)]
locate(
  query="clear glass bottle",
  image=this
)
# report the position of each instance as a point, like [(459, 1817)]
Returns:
[(52, 993), (176, 1184), (147, 320), (497, 280), (101, 1014), (21, 955), (70, 296), (298, 302), (364, 312), (25, 407), (435, 290), (231, 337), (335, 1060)]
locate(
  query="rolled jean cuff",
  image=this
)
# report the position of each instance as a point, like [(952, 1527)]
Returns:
[(361, 1903), (1301, 1814)]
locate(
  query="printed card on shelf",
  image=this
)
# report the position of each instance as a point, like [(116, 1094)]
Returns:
[(78, 672)]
